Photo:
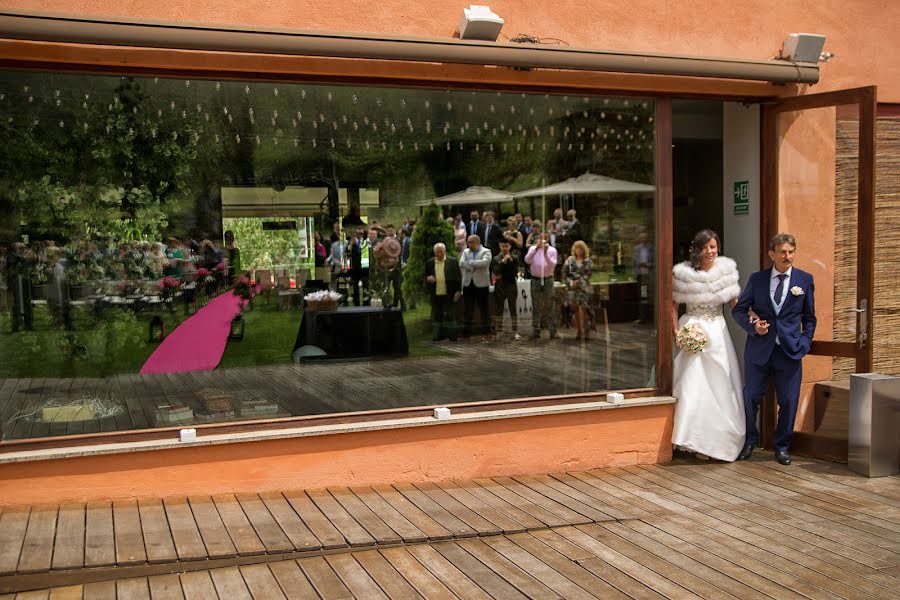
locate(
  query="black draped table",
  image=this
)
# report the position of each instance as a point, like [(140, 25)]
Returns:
[(351, 332)]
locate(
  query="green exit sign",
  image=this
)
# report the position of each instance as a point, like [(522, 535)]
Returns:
[(742, 197), (741, 192)]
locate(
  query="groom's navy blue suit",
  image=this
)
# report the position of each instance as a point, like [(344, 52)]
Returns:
[(792, 324)]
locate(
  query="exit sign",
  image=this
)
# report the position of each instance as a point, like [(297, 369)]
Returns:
[(742, 197)]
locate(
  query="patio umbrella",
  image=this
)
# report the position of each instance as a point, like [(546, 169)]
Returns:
[(472, 195), (588, 183)]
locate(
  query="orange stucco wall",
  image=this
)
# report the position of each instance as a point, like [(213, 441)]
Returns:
[(543, 444), (862, 33)]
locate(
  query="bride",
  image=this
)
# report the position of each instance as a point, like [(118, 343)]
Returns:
[(709, 415)]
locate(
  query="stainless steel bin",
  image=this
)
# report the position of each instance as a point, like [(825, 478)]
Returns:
[(874, 423)]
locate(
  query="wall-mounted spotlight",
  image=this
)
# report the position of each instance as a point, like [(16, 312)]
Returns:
[(479, 23), (804, 47)]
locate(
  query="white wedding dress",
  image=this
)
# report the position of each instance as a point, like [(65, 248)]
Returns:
[(709, 414)]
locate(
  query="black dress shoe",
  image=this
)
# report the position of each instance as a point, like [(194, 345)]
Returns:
[(783, 458), (745, 453)]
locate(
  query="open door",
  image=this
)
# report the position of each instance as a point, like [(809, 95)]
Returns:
[(831, 211)]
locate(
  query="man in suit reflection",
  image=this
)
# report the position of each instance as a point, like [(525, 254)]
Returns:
[(442, 276)]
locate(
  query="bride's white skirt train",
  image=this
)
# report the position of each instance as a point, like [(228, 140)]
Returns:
[(709, 414)]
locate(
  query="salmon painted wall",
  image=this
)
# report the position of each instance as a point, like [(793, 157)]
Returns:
[(862, 33), (542, 444)]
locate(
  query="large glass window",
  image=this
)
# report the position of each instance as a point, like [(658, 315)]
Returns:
[(181, 252)]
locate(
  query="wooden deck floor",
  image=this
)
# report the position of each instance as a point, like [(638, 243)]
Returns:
[(547, 367), (684, 530)]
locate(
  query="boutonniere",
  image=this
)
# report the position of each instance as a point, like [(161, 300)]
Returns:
[(797, 290)]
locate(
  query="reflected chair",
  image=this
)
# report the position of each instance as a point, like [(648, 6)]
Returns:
[(616, 348), (264, 281)]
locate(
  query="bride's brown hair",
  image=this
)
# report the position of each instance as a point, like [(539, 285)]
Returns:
[(700, 240)]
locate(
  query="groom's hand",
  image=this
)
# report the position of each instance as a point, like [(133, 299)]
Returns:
[(762, 327)]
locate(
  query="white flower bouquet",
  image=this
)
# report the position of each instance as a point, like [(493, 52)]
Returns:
[(322, 300), (691, 338)]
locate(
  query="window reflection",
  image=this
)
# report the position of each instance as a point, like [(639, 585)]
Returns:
[(173, 251)]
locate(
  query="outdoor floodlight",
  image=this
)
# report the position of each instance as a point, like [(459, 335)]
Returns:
[(479, 23), (803, 47)]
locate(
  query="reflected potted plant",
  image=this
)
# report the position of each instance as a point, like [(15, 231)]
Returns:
[(244, 292), (385, 262)]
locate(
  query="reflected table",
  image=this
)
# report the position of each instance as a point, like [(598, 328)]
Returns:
[(354, 331)]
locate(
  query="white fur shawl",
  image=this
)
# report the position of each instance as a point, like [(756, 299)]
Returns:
[(716, 286)]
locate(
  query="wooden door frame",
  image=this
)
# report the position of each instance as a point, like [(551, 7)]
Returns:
[(862, 349)]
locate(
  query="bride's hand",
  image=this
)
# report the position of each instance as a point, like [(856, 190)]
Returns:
[(753, 316)]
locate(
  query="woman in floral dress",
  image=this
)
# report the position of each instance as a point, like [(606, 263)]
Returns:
[(577, 276)]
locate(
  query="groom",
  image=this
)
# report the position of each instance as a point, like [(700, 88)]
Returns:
[(779, 337)]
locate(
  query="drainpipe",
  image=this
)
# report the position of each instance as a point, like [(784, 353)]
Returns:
[(150, 34)]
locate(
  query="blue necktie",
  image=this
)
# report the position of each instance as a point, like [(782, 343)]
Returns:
[(779, 289)]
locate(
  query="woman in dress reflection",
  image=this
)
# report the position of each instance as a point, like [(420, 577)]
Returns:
[(709, 415), (577, 275)]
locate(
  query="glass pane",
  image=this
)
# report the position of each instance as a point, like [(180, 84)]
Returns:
[(162, 241)]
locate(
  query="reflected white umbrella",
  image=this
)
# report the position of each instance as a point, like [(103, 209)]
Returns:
[(475, 194), (588, 183)]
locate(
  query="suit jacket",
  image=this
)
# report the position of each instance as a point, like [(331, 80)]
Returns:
[(479, 229), (794, 325), (491, 239), (476, 267), (451, 276)]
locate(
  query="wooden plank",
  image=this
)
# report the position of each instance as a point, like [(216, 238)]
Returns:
[(654, 495), (483, 494), (100, 590), (158, 540), (571, 499), (198, 585), (457, 509), (829, 577), (408, 532), (265, 526), (215, 537), (388, 579), (328, 585), (327, 534), (721, 561), (372, 522), (485, 578), (354, 576), (68, 550), (516, 575), (165, 587), (185, 534), (501, 521), (99, 543), (604, 486), (715, 583), (615, 507), (599, 568), (13, 525), (750, 558), (239, 528), (33, 595), (261, 582), (634, 569), (522, 503), (37, 548), (352, 531), (562, 575), (427, 585), (435, 511), (431, 528), (135, 588), (454, 579), (294, 528), (69, 592), (128, 534), (230, 584), (570, 517), (292, 580)]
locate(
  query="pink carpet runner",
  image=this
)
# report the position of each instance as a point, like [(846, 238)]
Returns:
[(198, 343)]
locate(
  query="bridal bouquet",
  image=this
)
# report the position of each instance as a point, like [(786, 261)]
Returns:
[(692, 338)]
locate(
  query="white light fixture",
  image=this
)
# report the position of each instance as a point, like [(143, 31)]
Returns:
[(803, 47), (479, 23)]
